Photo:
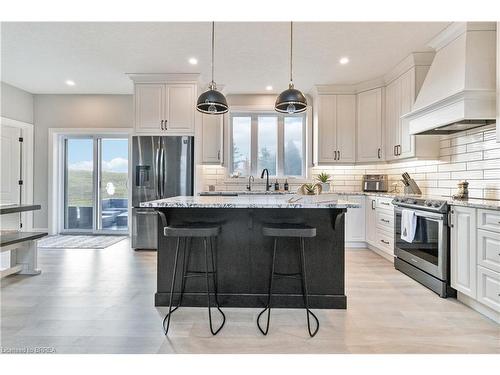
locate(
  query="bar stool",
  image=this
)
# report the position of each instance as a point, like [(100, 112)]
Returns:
[(299, 231), (187, 232)]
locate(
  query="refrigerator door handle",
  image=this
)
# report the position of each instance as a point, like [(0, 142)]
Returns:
[(157, 173), (162, 170)]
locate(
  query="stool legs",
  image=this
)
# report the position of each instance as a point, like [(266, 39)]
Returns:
[(305, 292), (269, 294), (170, 310), (303, 279), (214, 279), (186, 247)]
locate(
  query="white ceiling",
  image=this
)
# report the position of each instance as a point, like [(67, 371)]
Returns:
[(39, 57)]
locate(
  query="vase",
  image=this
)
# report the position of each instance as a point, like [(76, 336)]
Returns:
[(325, 187)]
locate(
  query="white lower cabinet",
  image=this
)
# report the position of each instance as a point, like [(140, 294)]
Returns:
[(355, 220), (488, 288), (380, 225), (371, 220), (463, 250), (475, 258)]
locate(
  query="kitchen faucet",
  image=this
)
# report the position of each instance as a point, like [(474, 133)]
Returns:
[(265, 171), (250, 179)]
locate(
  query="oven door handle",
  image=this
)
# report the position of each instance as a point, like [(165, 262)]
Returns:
[(425, 214)]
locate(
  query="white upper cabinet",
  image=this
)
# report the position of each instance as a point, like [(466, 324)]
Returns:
[(180, 107), (211, 139), (346, 128), (399, 98), (369, 126), (165, 108), (336, 128), (392, 114), (149, 106)]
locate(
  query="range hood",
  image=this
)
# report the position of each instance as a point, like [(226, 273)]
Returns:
[(459, 91)]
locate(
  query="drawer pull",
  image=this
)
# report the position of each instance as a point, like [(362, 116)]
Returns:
[(385, 203), (385, 221), (386, 242)]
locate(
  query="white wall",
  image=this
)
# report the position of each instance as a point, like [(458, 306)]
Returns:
[(71, 111), (16, 104)]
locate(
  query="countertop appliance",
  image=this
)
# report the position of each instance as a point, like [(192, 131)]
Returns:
[(162, 168), (427, 258), (375, 182)]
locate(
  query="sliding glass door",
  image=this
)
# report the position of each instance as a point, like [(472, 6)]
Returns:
[(95, 184)]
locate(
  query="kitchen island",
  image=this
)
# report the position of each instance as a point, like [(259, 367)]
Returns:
[(244, 255)]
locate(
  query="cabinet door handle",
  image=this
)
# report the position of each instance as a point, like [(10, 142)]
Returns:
[(399, 150), (386, 242), (161, 125), (395, 152), (338, 155), (165, 122), (218, 155), (373, 204), (335, 155), (379, 153)]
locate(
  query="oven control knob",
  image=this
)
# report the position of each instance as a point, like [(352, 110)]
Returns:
[(436, 204), (428, 203), (411, 201)]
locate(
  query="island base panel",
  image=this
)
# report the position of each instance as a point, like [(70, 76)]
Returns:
[(244, 258)]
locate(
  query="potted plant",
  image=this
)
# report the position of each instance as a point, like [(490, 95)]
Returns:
[(311, 189), (324, 180)]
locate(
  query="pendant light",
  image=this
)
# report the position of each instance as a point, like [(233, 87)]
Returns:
[(212, 101), (291, 100)]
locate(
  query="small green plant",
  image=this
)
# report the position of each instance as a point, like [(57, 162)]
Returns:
[(323, 177), (311, 189)]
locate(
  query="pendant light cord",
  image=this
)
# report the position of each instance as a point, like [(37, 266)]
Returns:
[(291, 51), (213, 47)]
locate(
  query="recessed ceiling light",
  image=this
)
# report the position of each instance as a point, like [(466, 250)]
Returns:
[(269, 87), (70, 82), (344, 60), (193, 61)]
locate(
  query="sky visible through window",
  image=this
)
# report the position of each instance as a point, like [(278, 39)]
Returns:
[(114, 155)]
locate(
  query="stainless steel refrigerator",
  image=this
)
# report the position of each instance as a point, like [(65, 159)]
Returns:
[(162, 168)]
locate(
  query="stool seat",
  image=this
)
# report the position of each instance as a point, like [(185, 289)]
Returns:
[(289, 230), (192, 230)]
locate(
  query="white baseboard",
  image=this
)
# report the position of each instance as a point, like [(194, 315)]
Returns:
[(356, 245), (479, 307), (382, 253)]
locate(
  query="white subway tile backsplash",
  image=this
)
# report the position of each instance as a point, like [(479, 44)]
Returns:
[(470, 156), (473, 156), (452, 167), (467, 175)]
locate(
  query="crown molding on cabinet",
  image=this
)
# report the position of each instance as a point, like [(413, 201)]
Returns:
[(455, 29), (412, 60), (163, 77)]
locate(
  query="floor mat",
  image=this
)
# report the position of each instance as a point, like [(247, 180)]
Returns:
[(78, 242)]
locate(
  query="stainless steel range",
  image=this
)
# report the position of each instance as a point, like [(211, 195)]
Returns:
[(426, 258)]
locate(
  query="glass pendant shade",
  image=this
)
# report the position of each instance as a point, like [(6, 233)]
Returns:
[(212, 102), (291, 101)]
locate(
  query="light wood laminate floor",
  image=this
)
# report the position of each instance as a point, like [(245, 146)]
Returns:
[(101, 301)]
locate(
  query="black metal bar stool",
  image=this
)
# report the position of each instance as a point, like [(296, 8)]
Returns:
[(299, 231), (184, 234)]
